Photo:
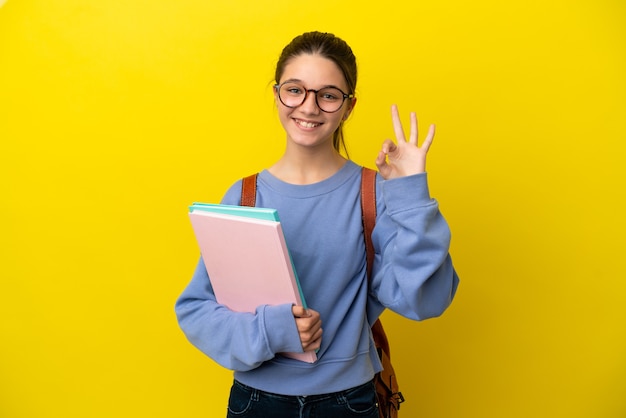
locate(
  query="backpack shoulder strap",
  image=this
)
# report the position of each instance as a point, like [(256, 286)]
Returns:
[(368, 212), (368, 209), (248, 190)]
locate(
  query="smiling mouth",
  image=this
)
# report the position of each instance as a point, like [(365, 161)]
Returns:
[(306, 124)]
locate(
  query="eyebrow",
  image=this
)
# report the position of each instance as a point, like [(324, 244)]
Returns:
[(297, 80)]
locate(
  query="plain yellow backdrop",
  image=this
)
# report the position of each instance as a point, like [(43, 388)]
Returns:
[(115, 115)]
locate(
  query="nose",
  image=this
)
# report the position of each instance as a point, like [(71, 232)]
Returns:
[(310, 103)]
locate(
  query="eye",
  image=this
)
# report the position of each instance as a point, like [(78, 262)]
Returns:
[(330, 95), (292, 89)]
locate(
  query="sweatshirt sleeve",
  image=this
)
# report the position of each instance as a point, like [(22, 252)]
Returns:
[(413, 273), (239, 341)]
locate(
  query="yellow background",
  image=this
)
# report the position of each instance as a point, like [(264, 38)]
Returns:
[(115, 115)]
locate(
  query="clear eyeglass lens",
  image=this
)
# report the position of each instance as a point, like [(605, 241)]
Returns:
[(329, 99)]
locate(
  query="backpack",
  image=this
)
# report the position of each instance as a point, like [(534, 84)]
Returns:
[(387, 391)]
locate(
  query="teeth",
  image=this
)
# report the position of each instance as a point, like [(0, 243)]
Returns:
[(307, 124)]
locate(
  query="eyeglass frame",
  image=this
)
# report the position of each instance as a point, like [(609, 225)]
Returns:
[(306, 93)]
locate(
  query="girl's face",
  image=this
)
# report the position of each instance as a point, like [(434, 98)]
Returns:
[(307, 125)]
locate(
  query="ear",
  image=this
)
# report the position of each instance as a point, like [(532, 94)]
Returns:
[(275, 91), (350, 108)]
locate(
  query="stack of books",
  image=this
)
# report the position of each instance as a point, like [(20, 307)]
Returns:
[(247, 258)]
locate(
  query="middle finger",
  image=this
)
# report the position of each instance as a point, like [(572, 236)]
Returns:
[(397, 124)]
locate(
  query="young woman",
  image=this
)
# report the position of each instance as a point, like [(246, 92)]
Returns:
[(317, 194)]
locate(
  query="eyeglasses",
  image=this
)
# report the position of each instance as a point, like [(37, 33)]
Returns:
[(328, 99)]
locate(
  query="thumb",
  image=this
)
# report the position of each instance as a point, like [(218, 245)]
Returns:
[(300, 311)]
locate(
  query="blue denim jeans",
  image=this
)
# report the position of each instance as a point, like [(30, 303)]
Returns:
[(247, 402)]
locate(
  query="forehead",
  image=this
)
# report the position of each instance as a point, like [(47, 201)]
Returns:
[(314, 71)]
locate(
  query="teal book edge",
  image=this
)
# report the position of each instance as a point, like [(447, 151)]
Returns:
[(265, 214), (247, 211)]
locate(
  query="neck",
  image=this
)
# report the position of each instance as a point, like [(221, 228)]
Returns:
[(302, 166)]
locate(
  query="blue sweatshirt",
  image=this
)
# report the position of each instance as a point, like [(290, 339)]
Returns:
[(412, 275)]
